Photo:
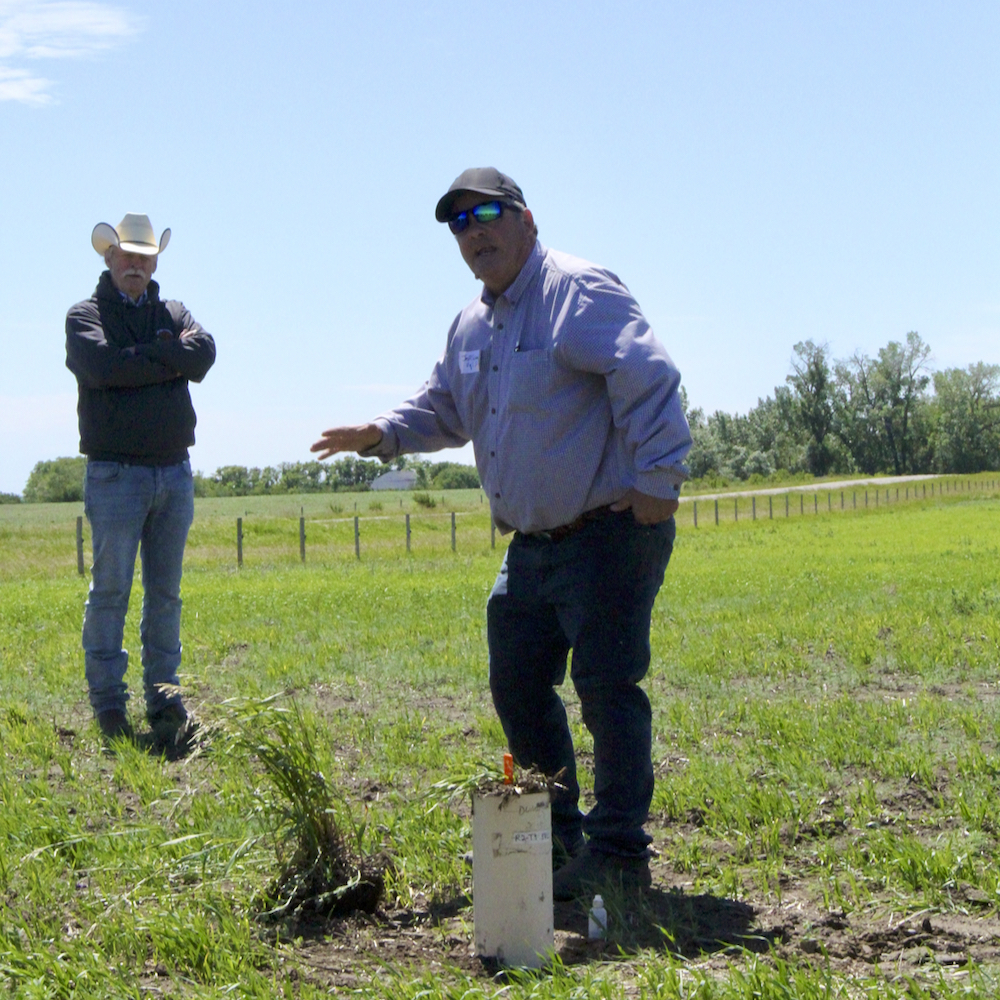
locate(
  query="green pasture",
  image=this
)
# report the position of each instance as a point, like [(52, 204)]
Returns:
[(826, 718)]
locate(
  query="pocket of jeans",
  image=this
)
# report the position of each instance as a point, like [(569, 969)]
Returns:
[(103, 472)]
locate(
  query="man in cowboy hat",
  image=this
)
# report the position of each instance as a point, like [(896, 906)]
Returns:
[(575, 414), (133, 355)]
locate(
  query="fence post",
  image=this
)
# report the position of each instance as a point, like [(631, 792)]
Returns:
[(866, 498), (407, 532), (897, 494), (841, 499), (736, 508), (802, 503), (854, 499), (753, 507), (357, 538), (815, 503), (302, 533), (786, 505), (716, 513), (452, 531), (876, 497), (79, 546), (770, 508), (696, 513), (493, 534), (239, 542)]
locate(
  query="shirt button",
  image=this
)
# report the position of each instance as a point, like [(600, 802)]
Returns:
[(493, 454), (497, 495), (494, 410), (499, 326), (496, 368)]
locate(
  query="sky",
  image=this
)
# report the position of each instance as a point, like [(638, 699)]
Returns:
[(758, 173)]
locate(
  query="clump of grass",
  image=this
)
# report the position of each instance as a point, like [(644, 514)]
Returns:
[(375, 505), (324, 871), (425, 500), (337, 508)]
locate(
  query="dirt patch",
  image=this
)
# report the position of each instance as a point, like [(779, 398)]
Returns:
[(715, 931)]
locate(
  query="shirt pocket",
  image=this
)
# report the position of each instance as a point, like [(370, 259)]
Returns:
[(530, 385)]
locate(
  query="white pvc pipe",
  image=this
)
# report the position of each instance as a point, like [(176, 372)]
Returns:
[(512, 877)]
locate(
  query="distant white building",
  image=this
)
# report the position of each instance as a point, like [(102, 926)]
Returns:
[(398, 479)]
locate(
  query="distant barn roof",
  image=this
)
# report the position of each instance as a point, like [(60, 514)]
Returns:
[(398, 479)]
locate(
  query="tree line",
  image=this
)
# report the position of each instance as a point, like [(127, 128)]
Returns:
[(887, 414), (61, 479)]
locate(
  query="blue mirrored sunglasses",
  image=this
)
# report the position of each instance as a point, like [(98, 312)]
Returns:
[(488, 212)]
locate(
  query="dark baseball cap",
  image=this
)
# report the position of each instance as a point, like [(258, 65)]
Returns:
[(479, 180)]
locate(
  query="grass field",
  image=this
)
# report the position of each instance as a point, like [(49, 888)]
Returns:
[(826, 726)]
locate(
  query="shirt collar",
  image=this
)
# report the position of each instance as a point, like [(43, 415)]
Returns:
[(129, 302), (524, 278)]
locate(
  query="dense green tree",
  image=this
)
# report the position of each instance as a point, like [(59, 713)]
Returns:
[(453, 476), (57, 481), (966, 425), (812, 403), (880, 407)]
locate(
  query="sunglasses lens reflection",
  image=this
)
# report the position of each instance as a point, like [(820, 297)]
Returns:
[(487, 213)]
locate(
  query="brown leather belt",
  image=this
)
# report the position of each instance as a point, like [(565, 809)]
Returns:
[(565, 530)]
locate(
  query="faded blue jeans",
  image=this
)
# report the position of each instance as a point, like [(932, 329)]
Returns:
[(591, 593), (146, 510)]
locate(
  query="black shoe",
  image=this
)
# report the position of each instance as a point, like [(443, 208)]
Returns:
[(114, 724), (595, 872), (172, 726)]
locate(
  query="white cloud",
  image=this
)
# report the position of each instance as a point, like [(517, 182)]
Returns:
[(52, 29), (20, 85)]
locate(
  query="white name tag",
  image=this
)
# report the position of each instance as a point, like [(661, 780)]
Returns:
[(468, 362)]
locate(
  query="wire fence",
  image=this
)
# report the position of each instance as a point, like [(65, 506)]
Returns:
[(381, 534)]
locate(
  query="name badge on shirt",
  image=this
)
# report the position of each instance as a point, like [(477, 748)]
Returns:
[(468, 362)]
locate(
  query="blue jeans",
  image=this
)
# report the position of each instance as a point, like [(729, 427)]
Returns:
[(591, 593), (135, 509)]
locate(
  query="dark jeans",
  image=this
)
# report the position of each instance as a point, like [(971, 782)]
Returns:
[(591, 593)]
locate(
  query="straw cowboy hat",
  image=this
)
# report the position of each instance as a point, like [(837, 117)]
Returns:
[(134, 234)]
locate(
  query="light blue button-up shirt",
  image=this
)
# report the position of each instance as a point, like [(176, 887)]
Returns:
[(567, 396)]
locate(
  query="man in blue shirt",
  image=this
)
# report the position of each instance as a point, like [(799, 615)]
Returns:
[(574, 411)]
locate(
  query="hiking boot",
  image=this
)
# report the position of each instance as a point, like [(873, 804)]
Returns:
[(172, 726), (114, 724), (593, 871)]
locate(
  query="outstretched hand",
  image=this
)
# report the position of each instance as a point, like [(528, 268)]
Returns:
[(359, 438), (646, 509)]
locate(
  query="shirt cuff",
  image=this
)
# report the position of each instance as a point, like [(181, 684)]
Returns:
[(388, 448), (663, 483)]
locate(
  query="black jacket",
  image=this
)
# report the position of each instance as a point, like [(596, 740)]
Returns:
[(132, 367)]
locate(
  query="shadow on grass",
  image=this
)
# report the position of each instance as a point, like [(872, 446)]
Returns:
[(667, 920)]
